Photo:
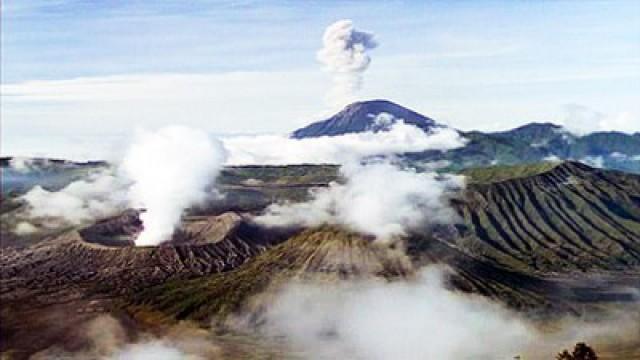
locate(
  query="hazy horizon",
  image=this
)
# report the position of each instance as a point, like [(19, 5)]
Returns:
[(79, 74)]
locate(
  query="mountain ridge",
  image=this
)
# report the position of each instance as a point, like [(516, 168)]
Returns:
[(529, 143)]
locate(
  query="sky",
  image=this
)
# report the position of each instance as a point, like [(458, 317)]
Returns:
[(78, 76)]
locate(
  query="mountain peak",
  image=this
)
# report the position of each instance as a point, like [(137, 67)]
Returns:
[(540, 125), (361, 116)]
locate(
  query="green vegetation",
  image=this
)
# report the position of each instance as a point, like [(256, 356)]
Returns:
[(492, 174), (569, 218), (533, 143), (279, 175), (327, 253)]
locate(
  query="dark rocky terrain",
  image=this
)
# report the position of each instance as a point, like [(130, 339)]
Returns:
[(544, 239), (535, 242), (92, 269)]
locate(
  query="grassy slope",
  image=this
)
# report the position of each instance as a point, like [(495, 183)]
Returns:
[(492, 174), (327, 252), (570, 217)]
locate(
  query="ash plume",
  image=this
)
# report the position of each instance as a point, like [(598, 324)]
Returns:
[(170, 170), (344, 55)]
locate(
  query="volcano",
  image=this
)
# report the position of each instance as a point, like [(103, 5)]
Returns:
[(529, 143), (373, 115)]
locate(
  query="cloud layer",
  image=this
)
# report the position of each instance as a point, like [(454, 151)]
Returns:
[(421, 318), (168, 170), (280, 149), (399, 320)]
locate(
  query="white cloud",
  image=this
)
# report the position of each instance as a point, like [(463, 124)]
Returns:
[(595, 161), (382, 120), (277, 149), (171, 169), (102, 193), (155, 350), (378, 199), (24, 228), (416, 319), (582, 120), (420, 318), (79, 118), (618, 156), (552, 158), (106, 338), (77, 115)]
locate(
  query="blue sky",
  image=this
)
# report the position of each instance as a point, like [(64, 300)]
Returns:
[(92, 68)]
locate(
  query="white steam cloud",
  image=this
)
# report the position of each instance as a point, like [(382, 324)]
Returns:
[(378, 199), (156, 350), (281, 150), (24, 228), (100, 194), (418, 319), (421, 319), (344, 55), (108, 339), (170, 170)]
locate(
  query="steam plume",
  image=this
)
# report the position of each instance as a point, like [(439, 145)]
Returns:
[(170, 170), (379, 199), (344, 55)]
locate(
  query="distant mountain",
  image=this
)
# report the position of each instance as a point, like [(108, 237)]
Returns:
[(530, 143), (374, 115), (540, 135), (539, 142)]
